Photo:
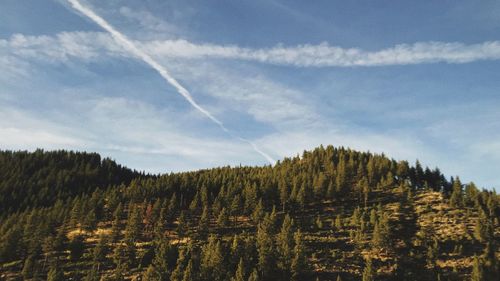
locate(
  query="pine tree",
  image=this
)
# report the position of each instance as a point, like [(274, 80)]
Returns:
[(265, 245), (477, 270), (483, 230), (92, 275), (203, 224), (90, 222), (151, 274), (432, 253), (29, 267), (368, 273), (134, 224), (124, 255), (284, 190), (254, 276), (178, 273), (116, 226), (55, 274), (235, 207), (299, 261), (237, 249), (76, 247), (456, 199), (258, 213), (212, 265), (338, 222), (239, 275), (223, 218), (189, 274), (100, 251), (182, 225), (60, 240), (284, 245), (163, 261)]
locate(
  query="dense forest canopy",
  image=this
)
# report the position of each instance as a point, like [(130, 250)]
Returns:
[(39, 178), (328, 214)]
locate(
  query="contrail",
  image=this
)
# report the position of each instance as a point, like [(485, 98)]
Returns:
[(132, 48)]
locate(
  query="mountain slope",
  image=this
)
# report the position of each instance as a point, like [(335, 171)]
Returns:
[(40, 178), (330, 213)]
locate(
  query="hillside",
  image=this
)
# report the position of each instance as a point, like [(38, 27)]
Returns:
[(41, 178), (330, 214)]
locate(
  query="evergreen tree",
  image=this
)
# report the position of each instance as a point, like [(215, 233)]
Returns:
[(203, 224), (239, 275), (299, 262), (100, 251), (76, 247), (368, 273), (29, 267), (55, 274), (254, 276), (284, 245), (92, 275), (163, 261), (456, 199), (265, 248), (477, 270), (483, 230), (134, 224), (212, 265), (182, 225), (223, 218), (258, 213), (189, 273)]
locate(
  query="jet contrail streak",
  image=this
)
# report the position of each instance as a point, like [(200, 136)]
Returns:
[(132, 48)]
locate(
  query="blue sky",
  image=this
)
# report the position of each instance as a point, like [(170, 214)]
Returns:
[(412, 79)]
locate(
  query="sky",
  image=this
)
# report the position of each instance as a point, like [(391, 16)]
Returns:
[(267, 79)]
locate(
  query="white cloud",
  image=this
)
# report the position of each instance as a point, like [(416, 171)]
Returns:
[(86, 46), (126, 129), (149, 22), (91, 45), (245, 90), (20, 130), (325, 55)]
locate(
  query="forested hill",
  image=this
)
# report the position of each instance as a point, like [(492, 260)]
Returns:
[(328, 214), (40, 178)]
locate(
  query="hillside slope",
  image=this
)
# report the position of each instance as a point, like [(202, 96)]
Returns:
[(41, 178), (330, 214)]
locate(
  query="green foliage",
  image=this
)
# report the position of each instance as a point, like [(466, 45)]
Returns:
[(368, 273), (477, 270), (239, 275), (100, 251), (40, 178), (76, 247), (29, 267), (456, 199), (212, 260), (230, 229), (223, 218), (299, 260), (55, 274)]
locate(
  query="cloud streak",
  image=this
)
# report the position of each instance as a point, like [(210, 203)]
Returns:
[(91, 45), (139, 53), (325, 55)]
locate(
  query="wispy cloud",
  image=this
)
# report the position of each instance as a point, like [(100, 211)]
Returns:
[(128, 45), (90, 45), (149, 22), (324, 55), (21, 130), (87, 46)]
